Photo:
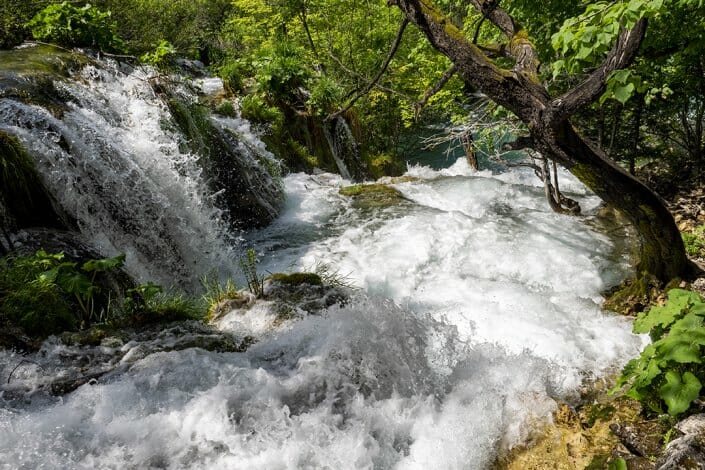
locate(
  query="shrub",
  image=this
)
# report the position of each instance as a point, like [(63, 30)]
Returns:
[(255, 108), (67, 25), (695, 242), (326, 95), (161, 56), (670, 370), (45, 294)]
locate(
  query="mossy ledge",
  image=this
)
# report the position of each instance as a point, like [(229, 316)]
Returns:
[(296, 279)]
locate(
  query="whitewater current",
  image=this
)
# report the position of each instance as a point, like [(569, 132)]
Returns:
[(476, 310)]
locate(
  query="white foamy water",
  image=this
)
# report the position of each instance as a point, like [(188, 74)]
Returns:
[(114, 163), (478, 309)]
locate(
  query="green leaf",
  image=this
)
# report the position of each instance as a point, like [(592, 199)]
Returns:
[(678, 349), (75, 282), (662, 316), (679, 392), (623, 93), (106, 264), (618, 464)]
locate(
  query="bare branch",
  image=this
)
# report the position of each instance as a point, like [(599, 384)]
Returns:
[(360, 77), (447, 75), (622, 54), (369, 86)]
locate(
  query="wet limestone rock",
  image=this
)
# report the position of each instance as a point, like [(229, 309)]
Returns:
[(687, 451), (285, 297)]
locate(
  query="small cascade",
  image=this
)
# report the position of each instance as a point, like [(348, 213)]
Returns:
[(112, 155), (344, 148)]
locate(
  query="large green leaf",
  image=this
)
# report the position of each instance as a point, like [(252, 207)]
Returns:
[(75, 282), (679, 392), (105, 264), (678, 349), (663, 316)]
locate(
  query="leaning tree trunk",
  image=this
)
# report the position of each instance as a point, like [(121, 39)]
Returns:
[(661, 252)]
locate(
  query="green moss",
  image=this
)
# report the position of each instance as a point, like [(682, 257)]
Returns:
[(297, 278), (362, 189), (372, 196), (587, 175), (634, 295), (40, 60)]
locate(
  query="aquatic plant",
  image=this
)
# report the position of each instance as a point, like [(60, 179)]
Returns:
[(150, 303), (248, 266)]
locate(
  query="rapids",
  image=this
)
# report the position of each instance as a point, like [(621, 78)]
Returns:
[(476, 310)]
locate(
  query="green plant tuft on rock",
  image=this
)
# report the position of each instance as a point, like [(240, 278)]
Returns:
[(297, 278), (695, 242)]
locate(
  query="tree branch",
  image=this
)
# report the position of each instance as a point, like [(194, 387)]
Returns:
[(447, 75), (622, 54), (371, 84), (514, 90), (360, 77), (520, 47)]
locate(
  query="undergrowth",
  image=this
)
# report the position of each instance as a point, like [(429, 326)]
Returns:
[(669, 373), (47, 294)]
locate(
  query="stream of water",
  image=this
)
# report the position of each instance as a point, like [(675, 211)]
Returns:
[(475, 309)]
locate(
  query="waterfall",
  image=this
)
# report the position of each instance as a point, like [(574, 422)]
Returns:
[(344, 149), (113, 156)]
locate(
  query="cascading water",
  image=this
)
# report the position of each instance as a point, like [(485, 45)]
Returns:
[(114, 159), (344, 149), (477, 309)]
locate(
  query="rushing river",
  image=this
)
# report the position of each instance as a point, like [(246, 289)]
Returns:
[(476, 310)]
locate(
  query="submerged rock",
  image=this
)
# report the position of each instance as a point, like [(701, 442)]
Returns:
[(285, 297), (74, 359)]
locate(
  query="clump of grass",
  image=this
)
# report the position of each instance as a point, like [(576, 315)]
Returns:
[(248, 266), (149, 303), (215, 292)]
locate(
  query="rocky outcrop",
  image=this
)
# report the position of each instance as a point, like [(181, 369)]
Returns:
[(688, 450)]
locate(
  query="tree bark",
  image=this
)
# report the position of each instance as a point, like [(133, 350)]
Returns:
[(662, 253)]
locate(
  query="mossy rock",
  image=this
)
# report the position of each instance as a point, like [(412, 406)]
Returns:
[(635, 295), (249, 193), (92, 336), (28, 74), (295, 279), (375, 195)]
